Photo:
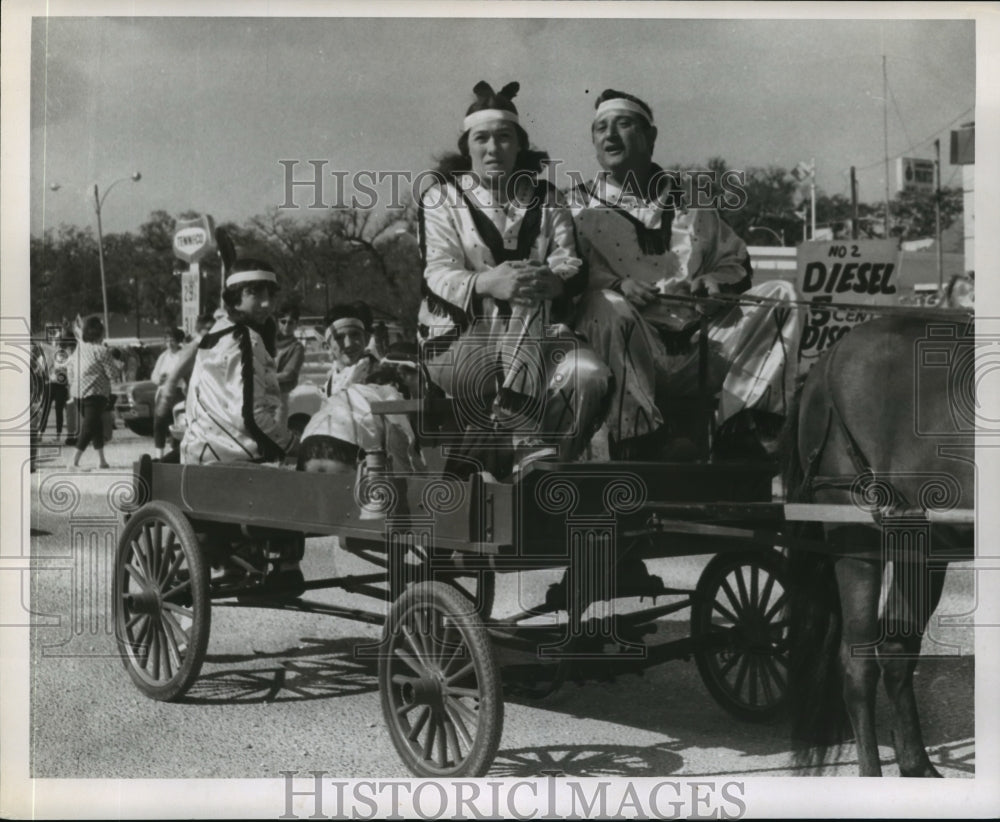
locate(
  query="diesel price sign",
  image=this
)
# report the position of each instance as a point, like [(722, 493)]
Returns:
[(855, 275)]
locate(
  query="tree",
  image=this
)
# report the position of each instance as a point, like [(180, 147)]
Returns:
[(913, 213)]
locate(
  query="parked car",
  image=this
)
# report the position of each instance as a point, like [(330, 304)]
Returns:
[(135, 398), (303, 401)]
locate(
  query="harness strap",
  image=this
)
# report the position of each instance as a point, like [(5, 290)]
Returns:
[(853, 448)]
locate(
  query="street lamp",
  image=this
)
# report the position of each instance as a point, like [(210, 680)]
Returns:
[(780, 238), (98, 204)]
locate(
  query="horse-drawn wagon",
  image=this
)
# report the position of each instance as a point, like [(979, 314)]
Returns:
[(435, 541)]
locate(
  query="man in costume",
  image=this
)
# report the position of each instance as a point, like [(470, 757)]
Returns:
[(642, 244)]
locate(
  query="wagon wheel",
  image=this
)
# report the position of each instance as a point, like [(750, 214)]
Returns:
[(161, 602), (439, 684), (739, 620)]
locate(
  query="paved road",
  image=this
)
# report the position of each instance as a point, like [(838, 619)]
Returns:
[(282, 691)]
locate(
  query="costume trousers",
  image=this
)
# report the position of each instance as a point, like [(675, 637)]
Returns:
[(752, 358)]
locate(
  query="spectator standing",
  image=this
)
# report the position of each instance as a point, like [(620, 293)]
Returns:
[(92, 371), (166, 394), (57, 394)]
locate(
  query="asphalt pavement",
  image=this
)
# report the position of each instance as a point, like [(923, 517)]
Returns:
[(283, 690)]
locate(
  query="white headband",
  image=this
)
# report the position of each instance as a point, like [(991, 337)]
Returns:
[(621, 104), (487, 114), (255, 276), (344, 323)]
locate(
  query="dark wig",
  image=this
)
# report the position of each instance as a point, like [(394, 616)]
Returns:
[(231, 294), (358, 310), (93, 330)]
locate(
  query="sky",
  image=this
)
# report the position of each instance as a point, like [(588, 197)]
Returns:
[(206, 107)]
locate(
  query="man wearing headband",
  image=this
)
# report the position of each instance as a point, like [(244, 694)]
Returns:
[(641, 243), (234, 402), (348, 334)]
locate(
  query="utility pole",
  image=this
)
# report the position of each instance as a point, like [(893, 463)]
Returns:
[(937, 215), (885, 139), (854, 205)]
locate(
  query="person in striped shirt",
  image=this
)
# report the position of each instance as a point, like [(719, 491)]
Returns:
[(93, 370)]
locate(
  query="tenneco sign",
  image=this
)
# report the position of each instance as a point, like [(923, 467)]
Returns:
[(194, 239)]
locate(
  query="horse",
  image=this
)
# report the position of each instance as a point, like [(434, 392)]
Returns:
[(883, 420)]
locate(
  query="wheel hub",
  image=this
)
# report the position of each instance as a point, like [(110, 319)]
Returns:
[(146, 601), (427, 690)]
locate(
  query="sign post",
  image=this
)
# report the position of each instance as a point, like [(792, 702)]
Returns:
[(859, 271), (193, 241)]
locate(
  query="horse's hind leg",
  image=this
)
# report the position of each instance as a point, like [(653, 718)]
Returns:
[(860, 582), (912, 598)]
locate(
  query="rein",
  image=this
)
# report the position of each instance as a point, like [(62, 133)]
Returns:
[(932, 312)]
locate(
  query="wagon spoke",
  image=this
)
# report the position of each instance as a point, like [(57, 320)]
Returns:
[(471, 693), (733, 598), (465, 669), (429, 739), (413, 641), (142, 552), (176, 563), (155, 542), (456, 655), (458, 723), (442, 739), (765, 595), (418, 726), (741, 583), (177, 631), (452, 737), (179, 610), (166, 641), (722, 609), (154, 652), (132, 620), (776, 675), (754, 585), (728, 666), (462, 708), (136, 574), (410, 661), (431, 641), (771, 675), (170, 553), (741, 674), (754, 676), (137, 640), (778, 603), (173, 592)]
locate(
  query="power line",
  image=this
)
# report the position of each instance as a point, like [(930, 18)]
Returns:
[(928, 139)]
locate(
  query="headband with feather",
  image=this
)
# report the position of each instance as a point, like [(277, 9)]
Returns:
[(490, 105)]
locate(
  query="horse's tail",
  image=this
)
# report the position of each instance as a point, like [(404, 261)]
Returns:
[(819, 718)]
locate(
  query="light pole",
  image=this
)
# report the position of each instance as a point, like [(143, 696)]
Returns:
[(779, 237), (98, 204)]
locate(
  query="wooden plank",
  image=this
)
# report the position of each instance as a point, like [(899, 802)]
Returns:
[(777, 513)]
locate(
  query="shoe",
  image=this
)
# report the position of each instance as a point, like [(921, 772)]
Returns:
[(525, 455)]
